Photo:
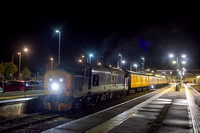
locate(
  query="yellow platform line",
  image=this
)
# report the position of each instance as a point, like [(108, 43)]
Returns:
[(20, 96)]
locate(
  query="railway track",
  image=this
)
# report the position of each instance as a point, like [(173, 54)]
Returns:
[(19, 122)]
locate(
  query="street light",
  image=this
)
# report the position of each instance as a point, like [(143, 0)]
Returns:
[(25, 50), (174, 62), (91, 55), (20, 58), (183, 62), (51, 59), (183, 56), (143, 63), (121, 60), (171, 55), (80, 61), (135, 65), (178, 64), (59, 32)]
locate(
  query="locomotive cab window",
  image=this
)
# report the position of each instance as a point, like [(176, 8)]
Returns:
[(95, 80)]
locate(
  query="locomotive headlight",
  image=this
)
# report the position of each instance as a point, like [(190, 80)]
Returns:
[(61, 80), (152, 86), (50, 79), (55, 86)]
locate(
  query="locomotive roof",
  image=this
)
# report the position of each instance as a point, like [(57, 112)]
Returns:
[(76, 67)]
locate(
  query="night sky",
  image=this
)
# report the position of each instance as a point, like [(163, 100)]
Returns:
[(104, 34)]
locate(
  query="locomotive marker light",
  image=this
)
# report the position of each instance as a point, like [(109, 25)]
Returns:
[(61, 80), (50, 79)]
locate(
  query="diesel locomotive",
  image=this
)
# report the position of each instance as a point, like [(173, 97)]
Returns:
[(75, 84)]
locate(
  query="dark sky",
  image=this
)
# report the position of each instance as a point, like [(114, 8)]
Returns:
[(134, 35)]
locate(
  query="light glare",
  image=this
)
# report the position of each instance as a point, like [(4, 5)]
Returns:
[(183, 62), (55, 86), (171, 55), (174, 62), (25, 49), (183, 56)]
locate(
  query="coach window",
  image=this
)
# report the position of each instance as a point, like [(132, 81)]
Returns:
[(95, 80)]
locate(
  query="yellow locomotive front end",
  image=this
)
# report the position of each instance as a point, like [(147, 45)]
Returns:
[(57, 91)]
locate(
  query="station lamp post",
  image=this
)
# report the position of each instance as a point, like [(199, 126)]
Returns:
[(90, 56), (51, 59), (59, 32), (178, 64), (120, 61), (135, 65), (143, 63), (20, 58), (123, 62)]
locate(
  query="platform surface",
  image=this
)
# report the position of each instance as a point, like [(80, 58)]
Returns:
[(164, 112)]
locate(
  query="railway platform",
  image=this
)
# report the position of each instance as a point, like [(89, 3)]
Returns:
[(17, 96), (16, 103), (162, 111)]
